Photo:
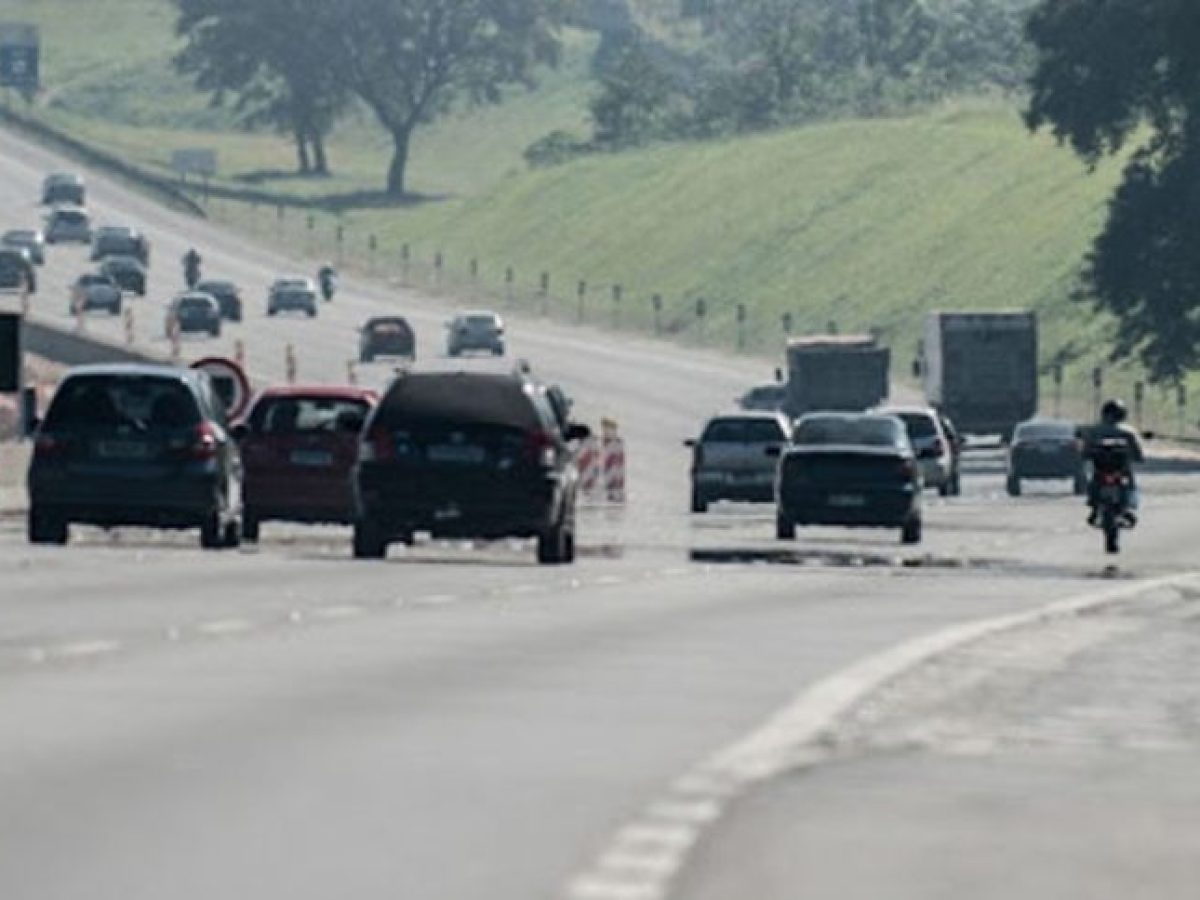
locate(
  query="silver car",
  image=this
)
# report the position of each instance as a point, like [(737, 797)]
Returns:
[(292, 295), (95, 290), (735, 458), (483, 331), (937, 455), (68, 224), (30, 239)]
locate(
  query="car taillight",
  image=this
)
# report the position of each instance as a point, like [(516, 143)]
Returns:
[(377, 445), (205, 446), (540, 449), (47, 446)]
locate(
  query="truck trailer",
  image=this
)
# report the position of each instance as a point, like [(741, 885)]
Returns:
[(846, 373)]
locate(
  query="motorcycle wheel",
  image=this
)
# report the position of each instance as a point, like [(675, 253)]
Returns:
[(1112, 531)]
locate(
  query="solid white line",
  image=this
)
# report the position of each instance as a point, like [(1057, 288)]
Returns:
[(331, 613), (83, 649), (791, 738), (224, 627), (436, 600)]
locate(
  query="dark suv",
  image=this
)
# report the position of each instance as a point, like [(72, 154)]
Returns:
[(135, 445), (467, 455)]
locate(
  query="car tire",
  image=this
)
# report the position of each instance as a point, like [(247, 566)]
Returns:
[(785, 528), (115, 309), (270, 311), (699, 502), (212, 532), (232, 537), (1079, 485), (910, 533), (250, 527), (47, 528), (956, 484), (943, 489), (312, 313), (369, 542), (1013, 485), (366, 358), (552, 545)]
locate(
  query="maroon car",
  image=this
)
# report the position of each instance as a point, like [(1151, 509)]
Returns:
[(298, 448)]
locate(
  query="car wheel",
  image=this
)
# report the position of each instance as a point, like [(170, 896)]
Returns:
[(1013, 485), (956, 484), (47, 528), (699, 503), (270, 312), (943, 489), (232, 538), (250, 523), (785, 528), (115, 309), (1080, 485), (911, 532), (366, 358), (215, 331), (312, 313), (212, 532), (551, 545), (369, 542)]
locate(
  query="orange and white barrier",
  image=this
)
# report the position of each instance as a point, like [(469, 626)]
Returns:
[(289, 364), (77, 308), (612, 462), (351, 372), (588, 462), (174, 336), (239, 352), (128, 319)]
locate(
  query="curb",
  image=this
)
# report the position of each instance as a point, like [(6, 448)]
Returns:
[(643, 859)]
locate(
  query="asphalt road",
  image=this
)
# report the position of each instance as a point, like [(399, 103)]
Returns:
[(457, 722)]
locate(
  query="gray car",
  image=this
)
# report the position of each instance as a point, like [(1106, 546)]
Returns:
[(194, 312), (1044, 449), (68, 225), (735, 458), (95, 290), (292, 295), (63, 187), (480, 331), (30, 239)]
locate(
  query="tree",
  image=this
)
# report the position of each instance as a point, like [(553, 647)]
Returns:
[(1112, 72), (634, 100), (269, 55), (409, 59)]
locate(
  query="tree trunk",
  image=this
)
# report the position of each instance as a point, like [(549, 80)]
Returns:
[(302, 160), (398, 170), (320, 159)]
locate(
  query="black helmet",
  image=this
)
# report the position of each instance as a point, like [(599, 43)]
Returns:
[(1113, 412)]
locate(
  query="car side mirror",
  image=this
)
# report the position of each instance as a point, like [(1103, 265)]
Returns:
[(240, 431), (774, 451), (576, 432), (928, 453), (1150, 435), (690, 442)]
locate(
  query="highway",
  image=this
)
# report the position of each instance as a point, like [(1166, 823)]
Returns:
[(458, 723)]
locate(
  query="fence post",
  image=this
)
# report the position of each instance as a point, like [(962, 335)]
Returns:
[(1139, 403), (340, 237), (581, 297), (544, 291), (1058, 390), (1097, 390), (701, 314), (372, 246), (656, 303), (616, 309), (741, 326), (509, 276)]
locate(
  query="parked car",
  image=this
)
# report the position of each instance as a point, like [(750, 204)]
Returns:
[(730, 460), (128, 273), (17, 272), (389, 336), (466, 455), (30, 239), (938, 453), (134, 445), (299, 445), (120, 240), (63, 187), (95, 290), (68, 225), (228, 297), (194, 312), (475, 331), (1043, 449), (764, 397), (855, 469), (292, 295)]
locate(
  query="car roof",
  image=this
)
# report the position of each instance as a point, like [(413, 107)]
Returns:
[(22, 232), (477, 314), (759, 415), (116, 229), (386, 320), (1053, 423), (476, 397), (217, 283), (136, 370), (64, 177), (194, 296), (323, 391), (123, 259)]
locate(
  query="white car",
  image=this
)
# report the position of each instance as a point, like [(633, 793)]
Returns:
[(936, 453)]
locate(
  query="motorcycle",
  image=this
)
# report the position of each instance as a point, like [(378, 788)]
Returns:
[(1113, 486), (327, 279), (191, 272)]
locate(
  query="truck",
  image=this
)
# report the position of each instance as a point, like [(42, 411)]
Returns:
[(980, 369), (835, 372)]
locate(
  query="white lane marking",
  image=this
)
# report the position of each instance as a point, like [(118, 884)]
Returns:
[(84, 649), (644, 857), (223, 627), (36, 655), (607, 580), (436, 600), (520, 589), (172, 633)]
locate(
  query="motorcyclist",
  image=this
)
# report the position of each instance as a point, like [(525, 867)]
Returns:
[(1112, 427), (191, 267), (327, 280)]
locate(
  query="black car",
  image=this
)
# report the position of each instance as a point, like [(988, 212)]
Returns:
[(63, 187), (194, 312), (467, 455), (227, 295), (849, 469), (127, 272), (389, 336), (1045, 449), (16, 270), (116, 240), (135, 445)]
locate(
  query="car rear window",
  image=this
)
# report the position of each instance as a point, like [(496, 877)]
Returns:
[(1045, 431), (742, 431), (306, 415), (71, 218), (195, 304), (140, 402), (865, 431), (481, 321), (918, 425)]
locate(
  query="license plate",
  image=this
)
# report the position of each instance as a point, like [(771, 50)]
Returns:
[(1111, 493), (847, 501), (122, 450), (312, 458), (463, 454)]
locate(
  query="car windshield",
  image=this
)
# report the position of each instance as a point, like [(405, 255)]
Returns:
[(307, 415), (859, 431), (742, 431), (195, 304), (138, 402), (1045, 431)]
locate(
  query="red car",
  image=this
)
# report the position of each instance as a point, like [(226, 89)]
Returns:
[(298, 448)]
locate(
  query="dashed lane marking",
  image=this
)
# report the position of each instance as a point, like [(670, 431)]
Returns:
[(225, 627), (84, 649), (333, 613)]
